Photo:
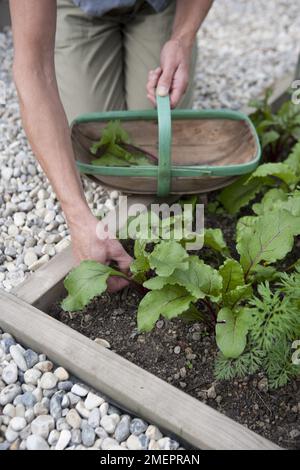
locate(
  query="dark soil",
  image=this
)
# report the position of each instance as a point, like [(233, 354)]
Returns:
[(184, 354), (273, 414)]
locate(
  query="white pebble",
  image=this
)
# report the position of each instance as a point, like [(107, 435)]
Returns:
[(31, 376), (11, 435), (19, 219), (18, 357), (82, 410), (42, 194), (44, 366), (94, 418), (153, 433), (104, 409), (64, 439), (110, 422), (9, 393), (53, 437), (29, 415), (48, 381), (9, 410), (36, 443), (6, 173), (153, 445), (40, 409), (20, 410), (102, 342), (109, 444), (79, 390), (18, 423), (93, 401), (133, 443), (10, 373), (30, 258), (61, 374), (73, 419), (42, 425)]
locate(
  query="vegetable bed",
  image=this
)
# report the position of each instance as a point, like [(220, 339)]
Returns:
[(222, 324), (184, 356)]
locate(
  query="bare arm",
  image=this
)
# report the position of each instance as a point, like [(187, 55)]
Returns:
[(190, 15), (173, 74), (45, 122), (44, 119)]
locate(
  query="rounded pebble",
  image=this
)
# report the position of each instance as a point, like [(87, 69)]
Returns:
[(10, 374), (64, 439), (36, 443), (42, 425), (18, 357), (110, 422), (18, 423), (48, 381)]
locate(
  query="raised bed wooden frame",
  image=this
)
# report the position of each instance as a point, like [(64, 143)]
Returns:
[(143, 394)]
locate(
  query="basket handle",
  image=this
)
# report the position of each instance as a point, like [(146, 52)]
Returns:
[(164, 145)]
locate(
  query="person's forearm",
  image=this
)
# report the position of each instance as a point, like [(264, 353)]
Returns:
[(47, 129), (189, 16)]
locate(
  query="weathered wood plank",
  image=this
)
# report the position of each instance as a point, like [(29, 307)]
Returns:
[(137, 390)]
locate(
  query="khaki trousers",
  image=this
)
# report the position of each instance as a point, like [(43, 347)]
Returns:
[(103, 63)]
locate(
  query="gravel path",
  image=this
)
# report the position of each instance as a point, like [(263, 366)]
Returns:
[(244, 47), (42, 407)]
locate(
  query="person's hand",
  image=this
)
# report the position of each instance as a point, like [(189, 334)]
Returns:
[(173, 74), (87, 245)]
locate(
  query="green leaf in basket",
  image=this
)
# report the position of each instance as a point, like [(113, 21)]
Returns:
[(113, 148)]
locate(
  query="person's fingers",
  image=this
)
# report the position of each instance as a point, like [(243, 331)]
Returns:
[(153, 77), (152, 83), (151, 99), (165, 81), (179, 86), (115, 283), (118, 254)]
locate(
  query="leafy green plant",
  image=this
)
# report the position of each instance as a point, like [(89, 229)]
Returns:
[(253, 308), (178, 283), (283, 176), (279, 134), (278, 131), (115, 149), (85, 282), (274, 325)]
